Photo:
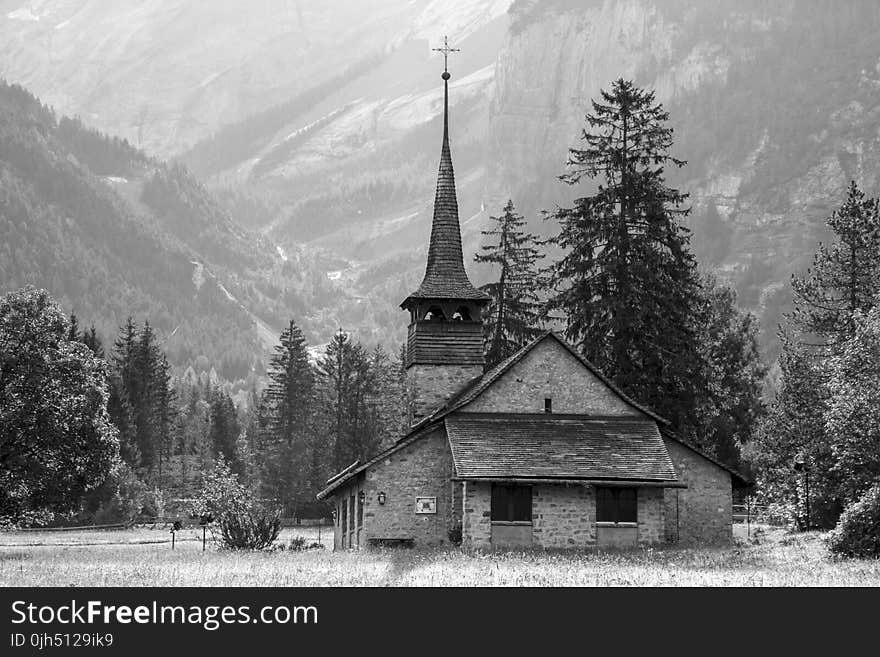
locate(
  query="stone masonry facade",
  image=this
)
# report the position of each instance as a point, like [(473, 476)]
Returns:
[(421, 469), (550, 371), (429, 386), (702, 512), (563, 516)]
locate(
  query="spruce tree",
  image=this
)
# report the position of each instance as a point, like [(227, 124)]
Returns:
[(335, 366), (165, 420), (845, 276), (512, 315), (852, 419), (91, 339), (290, 402), (730, 405), (144, 397), (627, 282), (224, 429)]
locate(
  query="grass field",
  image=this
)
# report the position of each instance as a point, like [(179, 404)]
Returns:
[(144, 557)]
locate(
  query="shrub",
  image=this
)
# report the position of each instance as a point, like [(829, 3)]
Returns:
[(858, 532), (221, 493), (454, 534), (253, 528), (297, 543), (121, 497)]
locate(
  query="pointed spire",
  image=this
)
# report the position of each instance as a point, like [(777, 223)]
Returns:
[(445, 276)]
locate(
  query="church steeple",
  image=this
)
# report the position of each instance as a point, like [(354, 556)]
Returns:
[(445, 276), (445, 343)]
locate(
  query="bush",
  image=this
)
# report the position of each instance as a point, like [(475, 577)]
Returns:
[(121, 498), (253, 528), (221, 493), (858, 532)]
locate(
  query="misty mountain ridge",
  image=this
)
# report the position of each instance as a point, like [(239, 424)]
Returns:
[(334, 161)]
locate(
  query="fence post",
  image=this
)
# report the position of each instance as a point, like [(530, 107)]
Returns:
[(748, 516)]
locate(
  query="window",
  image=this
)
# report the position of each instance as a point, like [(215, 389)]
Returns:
[(435, 314), (616, 505), (462, 314), (360, 513), (511, 503), (548, 405)]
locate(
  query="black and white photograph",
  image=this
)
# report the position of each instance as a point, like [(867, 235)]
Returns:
[(369, 294)]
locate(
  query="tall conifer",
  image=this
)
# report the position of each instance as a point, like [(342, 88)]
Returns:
[(627, 281), (512, 316)]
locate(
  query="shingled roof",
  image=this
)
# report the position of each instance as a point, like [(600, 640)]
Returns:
[(494, 446), (445, 276)]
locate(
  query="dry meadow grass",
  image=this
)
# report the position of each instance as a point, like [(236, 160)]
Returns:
[(143, 558)]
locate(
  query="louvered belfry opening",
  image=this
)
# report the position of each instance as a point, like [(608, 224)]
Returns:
[(445, 338)]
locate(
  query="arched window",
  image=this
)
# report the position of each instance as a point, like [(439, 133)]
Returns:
[(435, 314), (462, 314)]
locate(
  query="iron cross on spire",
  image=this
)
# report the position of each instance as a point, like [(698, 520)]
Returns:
[(446, 50)]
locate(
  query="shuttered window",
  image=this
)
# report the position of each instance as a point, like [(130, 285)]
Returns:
[(616, 505), (511, 503)]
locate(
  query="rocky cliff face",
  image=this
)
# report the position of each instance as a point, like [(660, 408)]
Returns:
[(775, 106)]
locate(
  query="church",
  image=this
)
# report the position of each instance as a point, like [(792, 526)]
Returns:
[(540, 451)]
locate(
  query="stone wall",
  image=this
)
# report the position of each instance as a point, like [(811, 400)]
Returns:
[(550, 370), (651, 516), (563, 516), (703, 512), (429, 386), (421, 469), (343, 534), (476, 521)]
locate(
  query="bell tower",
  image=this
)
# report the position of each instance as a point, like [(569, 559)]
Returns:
[(444, 348)]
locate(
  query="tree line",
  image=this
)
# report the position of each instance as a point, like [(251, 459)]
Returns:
[(624, 288)]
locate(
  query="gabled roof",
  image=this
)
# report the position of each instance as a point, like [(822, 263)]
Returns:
[(469, 392), (478, 385), (555, 446), (354, 469)]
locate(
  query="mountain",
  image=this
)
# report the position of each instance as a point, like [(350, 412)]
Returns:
[(333, 159), (167, 72), (775, 107), (111, 232)]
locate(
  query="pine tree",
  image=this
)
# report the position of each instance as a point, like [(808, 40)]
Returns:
[(224, 429), (851, 420), (73, 334), (335, 366), (793, 432), (91, 339), (817, 417), (164, 414), (845, 276), (512, 316), (124, 355), (730, 405), (627, 281), (144, 397), (290, 402)]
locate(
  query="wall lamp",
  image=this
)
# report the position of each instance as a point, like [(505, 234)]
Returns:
[(381, 497), (362, 496)]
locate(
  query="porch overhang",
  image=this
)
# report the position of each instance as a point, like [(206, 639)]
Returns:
[(627, 483)]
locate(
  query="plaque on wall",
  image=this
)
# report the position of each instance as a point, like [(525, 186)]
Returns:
[(426, 505)]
